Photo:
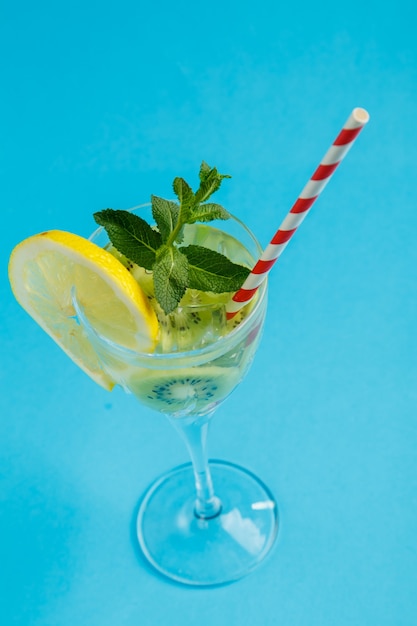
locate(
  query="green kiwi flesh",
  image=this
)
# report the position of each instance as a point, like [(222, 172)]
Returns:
[(200, 318), (194, 390)]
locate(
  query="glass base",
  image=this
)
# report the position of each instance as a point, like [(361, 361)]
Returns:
[(203, 552)]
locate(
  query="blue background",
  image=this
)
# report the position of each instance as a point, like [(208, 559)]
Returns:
[(103, 104)]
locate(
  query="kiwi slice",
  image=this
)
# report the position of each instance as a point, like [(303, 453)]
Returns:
[(194, 390), (142, 276), (200, 319)]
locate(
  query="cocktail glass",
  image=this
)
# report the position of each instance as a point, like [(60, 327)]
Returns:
[(206, 522)]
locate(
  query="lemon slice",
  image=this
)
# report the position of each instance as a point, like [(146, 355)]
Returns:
[(47, 269)]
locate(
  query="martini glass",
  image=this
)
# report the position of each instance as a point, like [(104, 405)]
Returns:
[(206, 522)]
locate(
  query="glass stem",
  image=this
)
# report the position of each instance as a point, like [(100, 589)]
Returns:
[(194, 434)]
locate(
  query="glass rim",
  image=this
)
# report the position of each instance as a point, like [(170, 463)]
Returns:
[(198, 352)]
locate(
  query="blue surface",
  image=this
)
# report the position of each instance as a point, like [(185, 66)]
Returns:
[(103, 104)]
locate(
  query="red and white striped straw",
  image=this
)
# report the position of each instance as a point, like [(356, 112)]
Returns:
[(335, 154)]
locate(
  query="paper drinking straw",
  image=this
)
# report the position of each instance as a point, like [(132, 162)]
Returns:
[(335, 154)]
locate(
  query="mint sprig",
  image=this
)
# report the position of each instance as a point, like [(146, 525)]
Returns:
[(176, 268)]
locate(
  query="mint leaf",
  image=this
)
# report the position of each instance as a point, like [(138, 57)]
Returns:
[(207, 212), (205, 170), (184, 193), (170, 275), (210, 181), (165, 214), (130, 235), (211, 271)]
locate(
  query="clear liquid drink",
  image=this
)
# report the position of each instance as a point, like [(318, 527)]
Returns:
[(203, 523)]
